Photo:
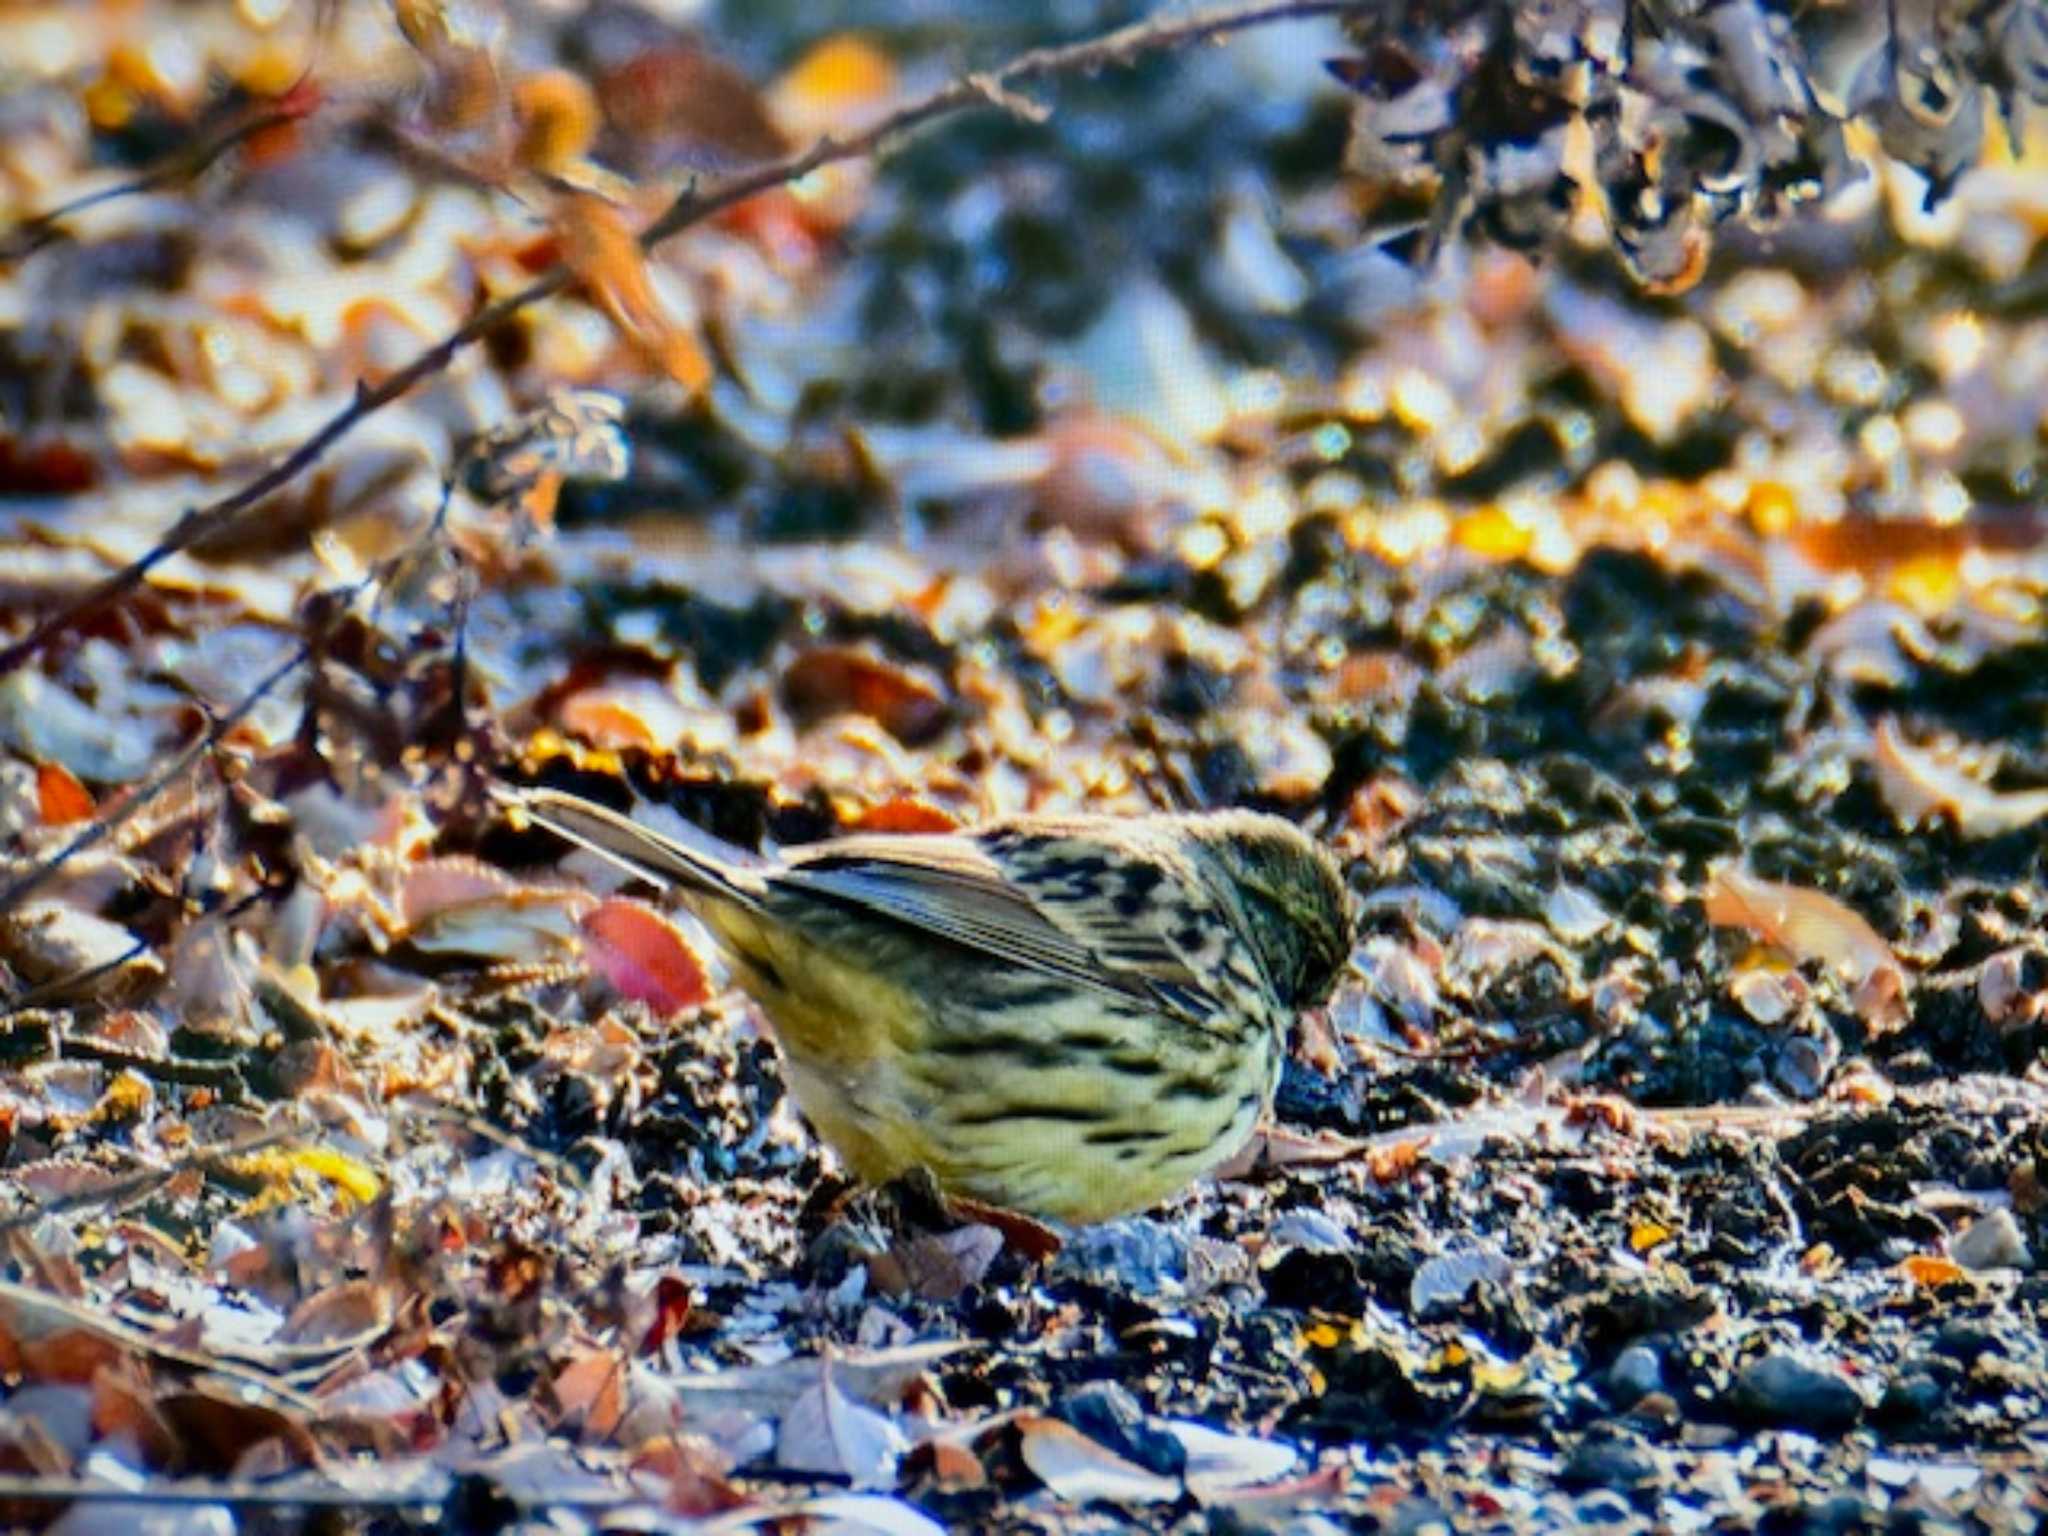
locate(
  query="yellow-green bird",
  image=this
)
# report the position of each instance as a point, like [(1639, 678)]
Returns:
[(1073, 1018)]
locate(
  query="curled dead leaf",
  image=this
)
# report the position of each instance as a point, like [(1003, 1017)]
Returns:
[(1923, 783), (1810, 925), (600, 247)]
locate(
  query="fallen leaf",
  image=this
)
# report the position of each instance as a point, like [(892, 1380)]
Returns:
[(1220, 1463), (1809, 925), (589, 1393), (599, 246), (938, 1266), (905, 813), (644, 956), (827, 1432), (837, 679), (1080, 1470), (344, 1312), (695, 1471), (53, 941), (1922, 783), (60, 798), (1930, 1272), (459, 906)]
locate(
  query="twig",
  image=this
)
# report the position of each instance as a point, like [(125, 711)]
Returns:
[(115, 1190), (977, 90), (103, 825), (41, 1312), (187, 1493), (185, 164)]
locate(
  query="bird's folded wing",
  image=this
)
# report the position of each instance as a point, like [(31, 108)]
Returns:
[(951, 888)]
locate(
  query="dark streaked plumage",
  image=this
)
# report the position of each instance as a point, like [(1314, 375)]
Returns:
[(1069, 1017)]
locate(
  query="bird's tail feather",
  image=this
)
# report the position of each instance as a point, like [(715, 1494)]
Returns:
[(701, 862)]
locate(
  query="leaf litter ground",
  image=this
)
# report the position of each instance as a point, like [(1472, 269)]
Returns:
[(1669, 674)]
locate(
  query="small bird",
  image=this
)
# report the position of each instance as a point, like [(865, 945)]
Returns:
[(1072, 1018)]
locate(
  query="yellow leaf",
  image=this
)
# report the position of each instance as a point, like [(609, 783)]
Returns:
[(1647, 1235), (337, 1169)]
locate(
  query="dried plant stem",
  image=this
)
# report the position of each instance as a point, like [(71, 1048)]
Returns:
[(980, 89), (103, 825), (125, 1186), (32, 234)]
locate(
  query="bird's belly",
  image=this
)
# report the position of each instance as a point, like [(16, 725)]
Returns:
[(1089, 1115), (1032, 1095)]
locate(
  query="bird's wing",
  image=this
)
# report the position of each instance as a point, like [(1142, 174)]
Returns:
[(696, 859), (1061, 907)]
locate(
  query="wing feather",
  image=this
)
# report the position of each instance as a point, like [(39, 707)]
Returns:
[(1066, 907)]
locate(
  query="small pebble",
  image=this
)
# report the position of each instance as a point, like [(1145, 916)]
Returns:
[(1790, 1391), (1992, 1241), (1635, 1374)]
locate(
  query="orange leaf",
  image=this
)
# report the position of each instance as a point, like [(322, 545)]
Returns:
[(1930, 1273), (558, 119), (602, 250), (606, 721), (644, 956), (906, 813), (60, 797), (836, 679)]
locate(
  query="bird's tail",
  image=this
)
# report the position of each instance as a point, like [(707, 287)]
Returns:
[(701, 862)]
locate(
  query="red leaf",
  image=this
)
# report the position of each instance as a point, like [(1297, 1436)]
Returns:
[(644, 956)]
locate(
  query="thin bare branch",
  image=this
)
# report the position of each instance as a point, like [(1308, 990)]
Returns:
[(127, 1185), (51, 1311), (184, 164), (104, 825), (973, 91), (188, 1493)]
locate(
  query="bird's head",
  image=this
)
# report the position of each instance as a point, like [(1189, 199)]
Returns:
[(1296, 907)]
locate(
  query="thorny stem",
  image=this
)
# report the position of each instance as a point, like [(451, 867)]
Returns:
[(979, 89)]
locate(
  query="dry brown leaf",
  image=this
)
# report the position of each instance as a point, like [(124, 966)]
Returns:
[(344, 1312), (124, 1405), (1809, 925), (460, 906), (1921, 783), (600, 247), (937, 1266), (835, 679), (216, 1431), (590, 1392), (679, 97), (695, 1470)]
